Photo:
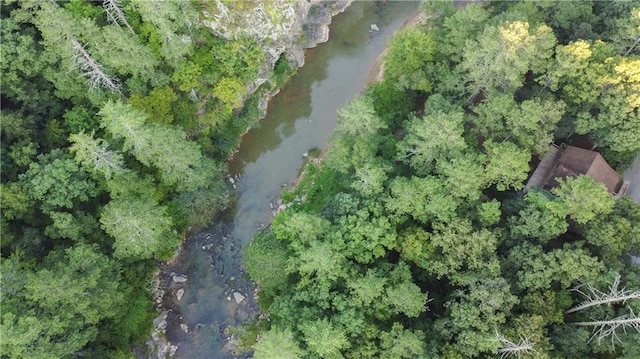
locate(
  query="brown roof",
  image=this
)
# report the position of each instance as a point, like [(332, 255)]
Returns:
[(575, 161)]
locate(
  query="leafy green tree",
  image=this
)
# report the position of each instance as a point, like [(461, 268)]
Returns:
[(56, 181), (157, 105), (94, 155), (424, 199), (458, 248), (436, 136), (406, 63), (584, 198), (402, 343), (277, 344), (540, 219), (266, 260), (324, 338), (58, 310), (507, 165), (178, 160), (140, 227), (503, 54)]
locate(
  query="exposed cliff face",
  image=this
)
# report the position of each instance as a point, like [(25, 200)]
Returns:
[(281, 27)]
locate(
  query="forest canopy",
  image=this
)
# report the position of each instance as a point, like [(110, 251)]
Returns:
[(415, 239), (117, 120)]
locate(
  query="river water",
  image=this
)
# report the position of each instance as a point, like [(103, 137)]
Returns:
[(300, 118)]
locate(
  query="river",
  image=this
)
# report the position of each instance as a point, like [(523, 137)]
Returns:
[(300, 118)]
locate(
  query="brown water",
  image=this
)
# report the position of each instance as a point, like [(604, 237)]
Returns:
[(300, 118)]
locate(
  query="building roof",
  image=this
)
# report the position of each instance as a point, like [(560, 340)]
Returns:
[(569, 161)]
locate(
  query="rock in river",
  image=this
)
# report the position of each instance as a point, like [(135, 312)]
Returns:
[(238, 297)]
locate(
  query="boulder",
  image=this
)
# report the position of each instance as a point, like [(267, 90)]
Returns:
[(180, 293), (179, 278), (238, 297), (374, 27)]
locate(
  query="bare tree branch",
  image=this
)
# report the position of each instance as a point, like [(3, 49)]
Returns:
[(509, 348), (114, 12), (609, 328), (595, 297), (92, 70)]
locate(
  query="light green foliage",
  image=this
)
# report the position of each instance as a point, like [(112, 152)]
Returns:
[(157, 105), (171, 19), (94, 155), (76, 226), (359, 119), (530, 123), (367, 289), (432, 138), (277, 344), (370, 178), (584, 198), (187, 76), (125, 54), (507, 165), (401, 343), (422, 198), (230, 91), (141, 228), (324, 338), (542, 218), (463, 175), (460, 27), (178, 160), (617, 232), (407, 298), (57, 311), (538, 269), (457, 248), (409, 53), (16, 202), (502, 55)]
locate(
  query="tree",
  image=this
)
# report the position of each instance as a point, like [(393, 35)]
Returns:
[(507, 165), (502, 55), (57, 182), (424, 199), (584, 198), (58, 310), (277, 344), (402, 343), (266, 260), (435, 137), (94, 155), (409, 53), (179, 161), (542, 218), (140, 227), (324, 338)]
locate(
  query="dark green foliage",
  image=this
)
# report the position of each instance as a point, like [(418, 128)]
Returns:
[(117, 120)]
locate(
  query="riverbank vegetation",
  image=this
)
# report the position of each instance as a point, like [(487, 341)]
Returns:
[(413, 239), (117, 120)]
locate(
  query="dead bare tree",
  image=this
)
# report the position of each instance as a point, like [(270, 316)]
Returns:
[(92, 70), (114, 12), (509, 348), (603, 329), (594, 297)]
